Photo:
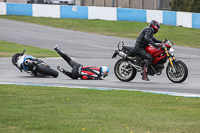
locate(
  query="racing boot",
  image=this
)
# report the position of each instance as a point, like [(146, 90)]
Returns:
[(57, 49), (144, 74)]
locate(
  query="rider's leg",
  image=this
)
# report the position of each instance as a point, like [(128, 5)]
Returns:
[(66, 57), (149, 60), (75, 66), (147, 65), (144, 74), (65, 72)]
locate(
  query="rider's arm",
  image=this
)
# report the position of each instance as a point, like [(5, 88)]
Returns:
[(156, 41)]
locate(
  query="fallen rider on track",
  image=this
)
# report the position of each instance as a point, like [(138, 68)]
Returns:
[(80, 71)]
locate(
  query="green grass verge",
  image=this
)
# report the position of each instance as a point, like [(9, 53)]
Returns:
[(70, 110), (179, 35), (8, 49)]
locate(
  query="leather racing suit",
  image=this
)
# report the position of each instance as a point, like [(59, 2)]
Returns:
[(143, 40), (78, 70)]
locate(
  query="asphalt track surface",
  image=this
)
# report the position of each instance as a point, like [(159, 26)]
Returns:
[(90, 49)]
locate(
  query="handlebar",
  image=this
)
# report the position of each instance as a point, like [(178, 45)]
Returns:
[(23, 52)]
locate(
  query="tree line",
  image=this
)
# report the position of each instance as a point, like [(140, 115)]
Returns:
[(185, 5)]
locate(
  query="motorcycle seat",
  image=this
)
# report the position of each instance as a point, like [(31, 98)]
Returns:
[(129, 48)]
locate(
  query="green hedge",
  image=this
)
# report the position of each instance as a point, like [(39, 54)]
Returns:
[(185, 5)]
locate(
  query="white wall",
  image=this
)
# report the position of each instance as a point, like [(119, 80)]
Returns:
[(184, 19), (104, 13), (154, 15), (2, 8), (40, 10)]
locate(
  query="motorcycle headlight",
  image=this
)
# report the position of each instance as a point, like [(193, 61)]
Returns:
[(171, 51)]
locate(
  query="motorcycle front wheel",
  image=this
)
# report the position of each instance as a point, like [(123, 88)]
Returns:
[(181, 72), (14, 58), (124, 71)]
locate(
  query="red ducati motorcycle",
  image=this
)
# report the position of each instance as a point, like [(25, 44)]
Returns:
[(127, 67)]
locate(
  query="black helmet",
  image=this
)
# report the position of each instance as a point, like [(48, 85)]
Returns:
[(155, 25)]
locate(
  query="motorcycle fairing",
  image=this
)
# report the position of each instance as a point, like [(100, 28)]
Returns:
[(169, 44), (20, 61)]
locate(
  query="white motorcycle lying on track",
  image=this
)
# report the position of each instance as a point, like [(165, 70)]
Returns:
[(33, 65)]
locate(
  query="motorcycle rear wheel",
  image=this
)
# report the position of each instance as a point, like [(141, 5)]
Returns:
[(124, 71), (46, 70), (180, 75)]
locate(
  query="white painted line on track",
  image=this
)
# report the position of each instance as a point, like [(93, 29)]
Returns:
[(101, 88)]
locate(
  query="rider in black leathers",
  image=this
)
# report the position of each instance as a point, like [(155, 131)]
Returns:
[(143, 40), (80, 71)]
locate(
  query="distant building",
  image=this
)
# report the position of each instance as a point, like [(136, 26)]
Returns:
[(14, 1), (139, 4)]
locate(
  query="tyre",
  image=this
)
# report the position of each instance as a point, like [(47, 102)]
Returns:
[(46, 70), (124, 71), (14, 58), (180, 75)]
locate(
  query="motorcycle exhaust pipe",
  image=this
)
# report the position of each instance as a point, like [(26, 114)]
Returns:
[(28, 62), (122, 54), (138, 68)]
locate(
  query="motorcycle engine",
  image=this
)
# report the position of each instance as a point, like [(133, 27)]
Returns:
[(151, 71), (156, 69)]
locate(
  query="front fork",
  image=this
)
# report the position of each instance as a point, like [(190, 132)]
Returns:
[(171, 60)]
